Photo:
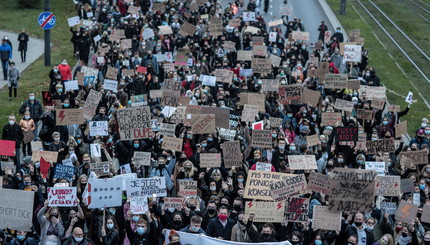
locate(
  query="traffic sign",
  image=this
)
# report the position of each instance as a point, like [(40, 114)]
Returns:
[(46, 20)]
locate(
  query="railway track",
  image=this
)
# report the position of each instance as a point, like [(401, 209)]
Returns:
[(405, 45)]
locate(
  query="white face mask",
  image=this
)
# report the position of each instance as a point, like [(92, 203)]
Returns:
[(11, 122), (423, 125), (78, 239)]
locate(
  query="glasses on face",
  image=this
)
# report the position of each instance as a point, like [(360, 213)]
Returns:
[(78, 235)]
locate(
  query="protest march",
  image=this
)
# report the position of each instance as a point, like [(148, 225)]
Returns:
[(202, 122)]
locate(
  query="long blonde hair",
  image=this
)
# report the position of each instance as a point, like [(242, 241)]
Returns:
[(389, 237)]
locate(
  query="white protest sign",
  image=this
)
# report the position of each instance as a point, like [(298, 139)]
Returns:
[(409, 98), (249, 16), (95, 150), (209, 80), (110, 85), (148, 33), (17, 209), (96, 39), (379, 167), (147, 187), (352, 53), (99, 128), (168, 111), (301, 162), (104, 193), (71, 85), (62, 197), (142, 158), (138, 205), (272, 36), (263, 166), (73, 21)]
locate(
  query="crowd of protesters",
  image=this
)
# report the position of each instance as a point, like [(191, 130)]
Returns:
[(218, 209)]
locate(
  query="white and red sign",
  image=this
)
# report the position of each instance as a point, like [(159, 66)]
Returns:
[(62, 197)]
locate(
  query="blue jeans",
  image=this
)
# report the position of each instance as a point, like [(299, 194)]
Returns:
[(5, 66)]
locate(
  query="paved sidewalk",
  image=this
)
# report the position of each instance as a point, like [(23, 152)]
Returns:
[(35, 49)]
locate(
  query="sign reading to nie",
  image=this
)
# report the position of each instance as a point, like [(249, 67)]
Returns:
[(46, 20)]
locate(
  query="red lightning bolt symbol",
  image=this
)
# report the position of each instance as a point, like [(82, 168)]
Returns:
[(249, 204), (279, 205), (48, 96), (61, 115), (405, 210)]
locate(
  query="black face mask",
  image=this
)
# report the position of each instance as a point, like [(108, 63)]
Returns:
[(237, 207), (211, 211), (358, 224), (266, 235), (192, 208), (404, 234), (177, 222)]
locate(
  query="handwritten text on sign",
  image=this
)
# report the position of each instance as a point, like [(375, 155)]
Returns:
[(134, 123), (62, 197)]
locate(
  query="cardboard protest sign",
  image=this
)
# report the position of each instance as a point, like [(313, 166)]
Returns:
[(380, 146), (426, 214), (64, 172), (379, 167), (387, 186), (352, 53), (17, 209), (302, 162), (209, 80), (262, 138), (365, 114), (326, 219), (406, 212), (234, 22), (202, 123), (91, 103), (210, 160), (297, 210), (28, 136), (249, 112), (103, 193), (187, 29), (100, 168), (69, 116), (378, 103), (99, 128), (265, 211), (311, 96), (290, 186), (172, 143), (258, 184), (227, 134), (73, 21), (331, 118), (254, 99), (134, 123), (319, 183), (259, 50), (299, 35), (139, 205), (223, 75), (344, 105), (142, 158), (389, 208), (373, 92), (171, 93), (346, 134), (174, 202), (352, 190), (276, 22), (232, 155), (216, 28), (418, 157), (165, 30), (147, 187), (229, 45), (336, 81), (353, 84), (261, 65), (8, 167), (290, 94), (111, 73), (167, 129), (275, 122), (187, 188), (407, 185), (179, 115), (401, 129), (62, 197), (312, 140), (244, 55), (49, 156), (270, 85)]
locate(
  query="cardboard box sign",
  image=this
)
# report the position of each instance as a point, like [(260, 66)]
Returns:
[(231, 154)]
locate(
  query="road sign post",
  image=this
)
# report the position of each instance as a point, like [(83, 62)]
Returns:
[(47, 20)]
